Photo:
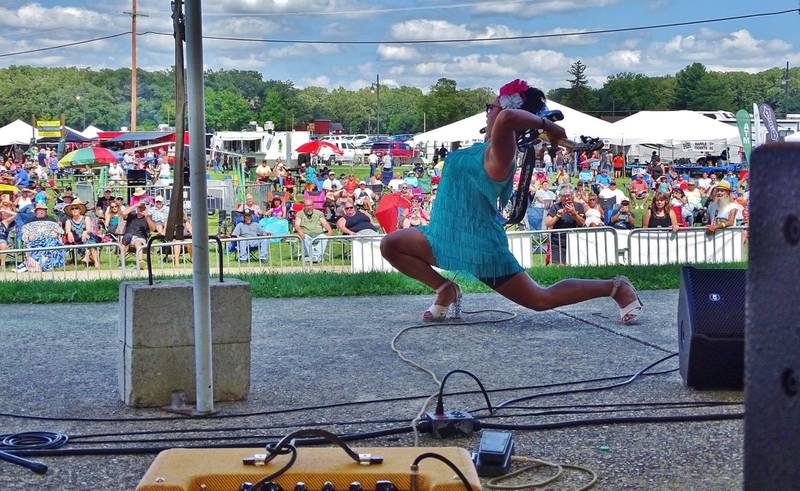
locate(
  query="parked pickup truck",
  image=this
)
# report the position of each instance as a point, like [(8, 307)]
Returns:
[(398, 150)]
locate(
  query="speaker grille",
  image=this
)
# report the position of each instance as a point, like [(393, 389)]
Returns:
[(716, 299)]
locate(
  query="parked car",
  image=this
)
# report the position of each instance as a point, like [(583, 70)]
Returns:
[(398, 150), (367, 145), (404, 137), (349, 153)]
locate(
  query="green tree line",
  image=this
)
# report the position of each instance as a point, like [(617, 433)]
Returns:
[(694, 88), (235, 97)]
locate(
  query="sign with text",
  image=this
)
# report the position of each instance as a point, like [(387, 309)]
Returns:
[(745, 131), (699, 146), (768, 117), (48, 128)]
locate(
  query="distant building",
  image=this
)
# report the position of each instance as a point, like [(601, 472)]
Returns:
[(325, 127)]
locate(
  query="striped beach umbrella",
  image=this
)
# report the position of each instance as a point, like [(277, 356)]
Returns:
[(89, 156)]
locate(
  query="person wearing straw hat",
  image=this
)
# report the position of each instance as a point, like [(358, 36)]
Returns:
[(723, 211), (79, 230), (140, 196)]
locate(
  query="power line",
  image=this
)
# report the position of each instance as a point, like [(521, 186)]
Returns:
[(501, 38), (66, 45), (384, 10), (428, 41)]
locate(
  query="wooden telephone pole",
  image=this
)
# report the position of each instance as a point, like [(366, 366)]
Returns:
[(133, 15)]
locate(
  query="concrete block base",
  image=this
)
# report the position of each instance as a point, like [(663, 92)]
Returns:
[(157, 341)]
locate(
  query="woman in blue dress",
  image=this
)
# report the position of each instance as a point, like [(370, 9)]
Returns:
[(465, 234)]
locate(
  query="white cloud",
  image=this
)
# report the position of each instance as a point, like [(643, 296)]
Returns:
[(249, 63), (399, 53), (241, 27), (302, 51), (624, 60), (528, 9), (429, 29), (735, 50), (320, 81), (63, 18)]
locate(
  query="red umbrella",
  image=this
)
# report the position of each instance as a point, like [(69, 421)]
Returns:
[(314, 147), (387, 211)]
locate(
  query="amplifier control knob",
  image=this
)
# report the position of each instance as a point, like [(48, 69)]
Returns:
[(301, 486), (270, 486), (355, 486), (328, 486), (385, 486), (246, 486)]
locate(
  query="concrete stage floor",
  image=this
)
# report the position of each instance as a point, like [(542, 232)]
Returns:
[(61, 360)]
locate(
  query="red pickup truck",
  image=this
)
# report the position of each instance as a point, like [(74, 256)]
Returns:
[(399, 151)]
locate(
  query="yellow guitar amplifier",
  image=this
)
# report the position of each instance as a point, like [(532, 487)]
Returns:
[(223, 470)]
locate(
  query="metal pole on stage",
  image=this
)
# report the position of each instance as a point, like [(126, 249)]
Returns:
[(197, 171)]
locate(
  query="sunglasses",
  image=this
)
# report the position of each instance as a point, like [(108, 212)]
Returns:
[(349, 208)]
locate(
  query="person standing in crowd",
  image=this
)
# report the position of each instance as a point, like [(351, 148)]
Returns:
[(442, 153), (465, 235), (373, 163), (619, 165)]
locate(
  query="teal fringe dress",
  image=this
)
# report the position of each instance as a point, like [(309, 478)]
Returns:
[(465, 232)]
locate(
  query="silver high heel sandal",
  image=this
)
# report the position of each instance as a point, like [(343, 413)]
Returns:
[(438, 313), (629, 313)]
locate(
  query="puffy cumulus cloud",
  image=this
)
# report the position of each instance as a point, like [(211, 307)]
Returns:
[(620, 60), (734, 50), (302, 50), (429, 29), (64, 18), (240, 27), (398, 53), (251, 62), (320, 81), (528, 9), (277, 6)]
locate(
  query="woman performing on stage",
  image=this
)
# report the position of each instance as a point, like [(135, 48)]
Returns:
[(465, 234)]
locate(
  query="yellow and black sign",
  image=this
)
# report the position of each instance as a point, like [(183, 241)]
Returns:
[(48, 128)]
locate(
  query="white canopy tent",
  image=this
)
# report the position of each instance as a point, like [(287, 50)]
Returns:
[(467, 131), (679, 134), (91, 131), (16, 133), (672, 127)]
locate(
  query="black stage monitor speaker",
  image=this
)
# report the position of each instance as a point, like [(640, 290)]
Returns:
[(711, 327)]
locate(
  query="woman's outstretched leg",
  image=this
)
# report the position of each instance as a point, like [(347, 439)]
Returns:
[(409, 252), (522, 290)]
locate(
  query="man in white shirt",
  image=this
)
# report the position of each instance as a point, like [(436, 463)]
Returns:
[(364, 196), (704, 184), (373, 163), (612, 192), (115, 172), (328, 183), (163, 169), (387, 161), (396, 182)]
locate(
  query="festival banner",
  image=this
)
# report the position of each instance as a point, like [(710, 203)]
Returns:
[(48, 128), (745, 131), (768, 116)]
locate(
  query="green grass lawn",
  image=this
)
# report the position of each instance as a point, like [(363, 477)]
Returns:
[(290, 285)]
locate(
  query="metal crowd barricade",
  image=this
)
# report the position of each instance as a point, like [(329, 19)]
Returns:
[(19, 263), (589, 246), (646, 247), (284, 253), (345, 253)]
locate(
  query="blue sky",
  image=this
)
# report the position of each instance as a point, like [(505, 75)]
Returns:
[(750, 45)]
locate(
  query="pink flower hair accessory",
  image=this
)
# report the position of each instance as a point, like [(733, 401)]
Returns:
[(512, 94)]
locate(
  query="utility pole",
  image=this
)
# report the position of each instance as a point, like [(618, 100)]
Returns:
[(786, 91), (133, 15)]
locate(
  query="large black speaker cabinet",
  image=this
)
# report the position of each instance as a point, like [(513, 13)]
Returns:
[(772, 380), (711, 327)]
